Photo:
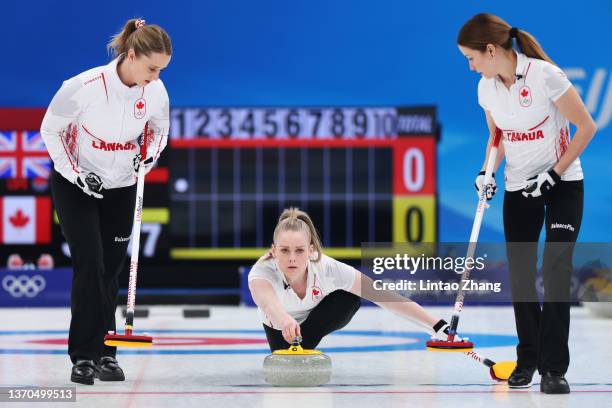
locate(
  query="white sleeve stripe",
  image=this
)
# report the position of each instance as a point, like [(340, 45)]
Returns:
[(568, 86)]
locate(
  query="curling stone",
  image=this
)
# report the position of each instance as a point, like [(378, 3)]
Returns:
[(296, 367)]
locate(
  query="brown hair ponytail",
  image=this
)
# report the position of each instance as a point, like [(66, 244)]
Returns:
[(143, 39), (529, 46), (483, 29)]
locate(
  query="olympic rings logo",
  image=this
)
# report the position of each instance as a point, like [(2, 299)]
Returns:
[(23, 285)]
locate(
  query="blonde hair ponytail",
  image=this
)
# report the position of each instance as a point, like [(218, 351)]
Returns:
[(294, 219)]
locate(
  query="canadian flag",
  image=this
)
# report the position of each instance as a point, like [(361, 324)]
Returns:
[(25, 220)]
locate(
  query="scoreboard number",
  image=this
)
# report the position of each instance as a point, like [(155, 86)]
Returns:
[(284, 123), (414, 192), (414, 219), (414, 169), (152, 232), (414, 224)]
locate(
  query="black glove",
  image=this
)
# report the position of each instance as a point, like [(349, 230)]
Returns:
[(91, 184), (491, 187), (542, 184), (147, 163)]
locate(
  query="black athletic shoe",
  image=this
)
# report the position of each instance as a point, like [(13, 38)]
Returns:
[(108, 369), (553, 383), (83, 372), (521, 377)]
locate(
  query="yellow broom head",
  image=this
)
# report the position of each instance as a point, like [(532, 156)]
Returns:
[(128, 340), (501, 371)]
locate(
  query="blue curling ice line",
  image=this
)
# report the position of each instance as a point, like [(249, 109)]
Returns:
[(480, 340)]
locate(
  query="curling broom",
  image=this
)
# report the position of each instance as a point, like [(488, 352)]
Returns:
[(128, 339), (449, 344), (498, 371)]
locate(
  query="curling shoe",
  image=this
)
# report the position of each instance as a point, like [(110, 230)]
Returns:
[(553, 383), (521, 377), (83, 372), (108, 369)]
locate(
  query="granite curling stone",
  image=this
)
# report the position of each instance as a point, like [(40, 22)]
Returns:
[(296, 367)]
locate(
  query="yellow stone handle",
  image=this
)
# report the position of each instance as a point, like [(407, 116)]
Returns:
[(296, 349)]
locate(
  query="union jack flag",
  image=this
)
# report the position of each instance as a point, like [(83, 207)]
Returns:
[(23, 154)]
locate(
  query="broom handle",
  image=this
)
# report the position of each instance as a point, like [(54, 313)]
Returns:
[(131, 299), (480, 209), (481, 359)]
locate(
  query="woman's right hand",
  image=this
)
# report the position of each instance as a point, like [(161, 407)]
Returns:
[(290, 329), (491, 188), (91, 184)]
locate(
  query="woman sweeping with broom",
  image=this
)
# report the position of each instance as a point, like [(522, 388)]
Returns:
[(522, 92), (92, 130)]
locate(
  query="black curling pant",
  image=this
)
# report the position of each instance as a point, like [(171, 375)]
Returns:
[(333, 313), (543, 329), (97, 232)]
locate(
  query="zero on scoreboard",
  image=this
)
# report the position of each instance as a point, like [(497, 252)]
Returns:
[(363, 175)]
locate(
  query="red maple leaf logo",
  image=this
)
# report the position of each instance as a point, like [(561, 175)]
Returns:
[(140, 105), (19, 219), (524, 93), (315, 292)]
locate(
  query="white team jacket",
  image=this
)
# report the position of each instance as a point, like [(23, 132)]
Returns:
[(535, 133), (324, 277), (94, 122)]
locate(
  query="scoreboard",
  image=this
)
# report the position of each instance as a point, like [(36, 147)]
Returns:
[(363, 175)]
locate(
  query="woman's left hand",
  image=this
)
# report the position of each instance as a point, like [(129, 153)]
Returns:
[(541, 184)]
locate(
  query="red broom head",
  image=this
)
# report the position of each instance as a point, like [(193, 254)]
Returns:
[(445, 345)]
